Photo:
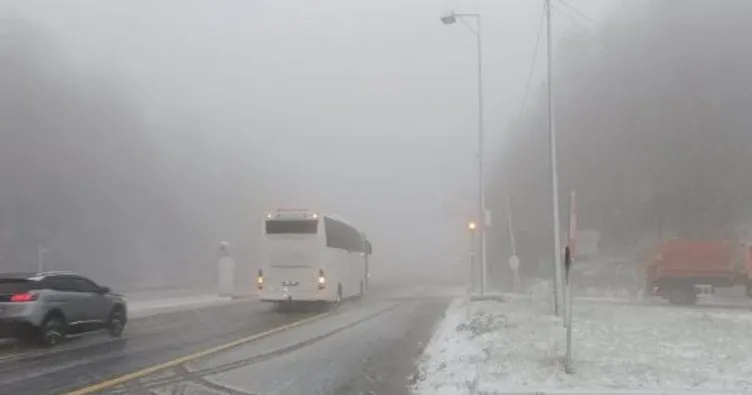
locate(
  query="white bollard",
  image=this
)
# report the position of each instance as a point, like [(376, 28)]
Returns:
[(225, 271)]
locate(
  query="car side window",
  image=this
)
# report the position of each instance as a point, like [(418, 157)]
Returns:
[(64, 284), (84, 285)]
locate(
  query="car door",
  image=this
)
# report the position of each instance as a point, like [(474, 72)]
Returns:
[(95, 304), (65, 296), (98, 303)]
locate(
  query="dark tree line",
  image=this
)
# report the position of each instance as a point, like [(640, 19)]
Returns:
[(654, 128), (83, 176)]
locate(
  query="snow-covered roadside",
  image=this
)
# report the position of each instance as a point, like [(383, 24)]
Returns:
[(153, 307), (515, 346)]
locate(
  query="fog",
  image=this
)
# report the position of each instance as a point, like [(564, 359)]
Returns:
[(652, 109), (137, 135)]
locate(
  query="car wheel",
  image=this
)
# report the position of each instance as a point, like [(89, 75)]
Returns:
[(116, 323), (52, 331)]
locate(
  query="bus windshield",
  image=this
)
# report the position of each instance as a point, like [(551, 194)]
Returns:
[(297, 226)]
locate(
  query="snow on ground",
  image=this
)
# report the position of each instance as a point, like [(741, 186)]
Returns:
[(516, 346)]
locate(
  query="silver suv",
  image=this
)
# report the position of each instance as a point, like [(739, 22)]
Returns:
[(47, 306)]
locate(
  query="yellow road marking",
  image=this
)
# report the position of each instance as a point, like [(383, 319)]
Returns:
[(188, 358)]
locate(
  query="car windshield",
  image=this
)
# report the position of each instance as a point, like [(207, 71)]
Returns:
[(393, 197)]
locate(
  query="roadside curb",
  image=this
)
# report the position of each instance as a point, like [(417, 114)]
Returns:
[(243, 296)]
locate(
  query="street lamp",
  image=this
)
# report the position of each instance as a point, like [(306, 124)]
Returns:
[(450, 19)]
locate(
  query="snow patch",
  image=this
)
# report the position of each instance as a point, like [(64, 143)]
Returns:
[(516, 346)]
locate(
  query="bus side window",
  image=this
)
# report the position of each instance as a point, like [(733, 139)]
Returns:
[(342, 236)]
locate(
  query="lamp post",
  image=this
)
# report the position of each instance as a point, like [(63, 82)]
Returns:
[(450, 19)]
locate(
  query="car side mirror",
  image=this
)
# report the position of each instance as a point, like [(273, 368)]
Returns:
[(104, 290)]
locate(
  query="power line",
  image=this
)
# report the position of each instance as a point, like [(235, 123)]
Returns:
[(532, 64), (578, 12)]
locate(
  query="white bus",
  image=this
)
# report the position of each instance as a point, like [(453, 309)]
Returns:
[(312, 257)]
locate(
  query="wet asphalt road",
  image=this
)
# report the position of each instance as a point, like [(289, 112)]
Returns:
[(364, 347), (90, 359)]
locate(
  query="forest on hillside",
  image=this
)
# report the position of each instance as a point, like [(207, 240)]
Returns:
[(104, 192), (653, 124)]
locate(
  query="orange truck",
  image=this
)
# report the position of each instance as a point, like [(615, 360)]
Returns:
[(682, 269)]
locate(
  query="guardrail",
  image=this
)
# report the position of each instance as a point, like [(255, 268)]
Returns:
[(154, 287)]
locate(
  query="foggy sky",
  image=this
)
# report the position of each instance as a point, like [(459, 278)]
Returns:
[(364, 109)]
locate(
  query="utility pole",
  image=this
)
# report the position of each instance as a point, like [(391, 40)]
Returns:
[(558, 298), (482, 214), (514, 260), (510, 226), (569, 254), (471, 227)]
